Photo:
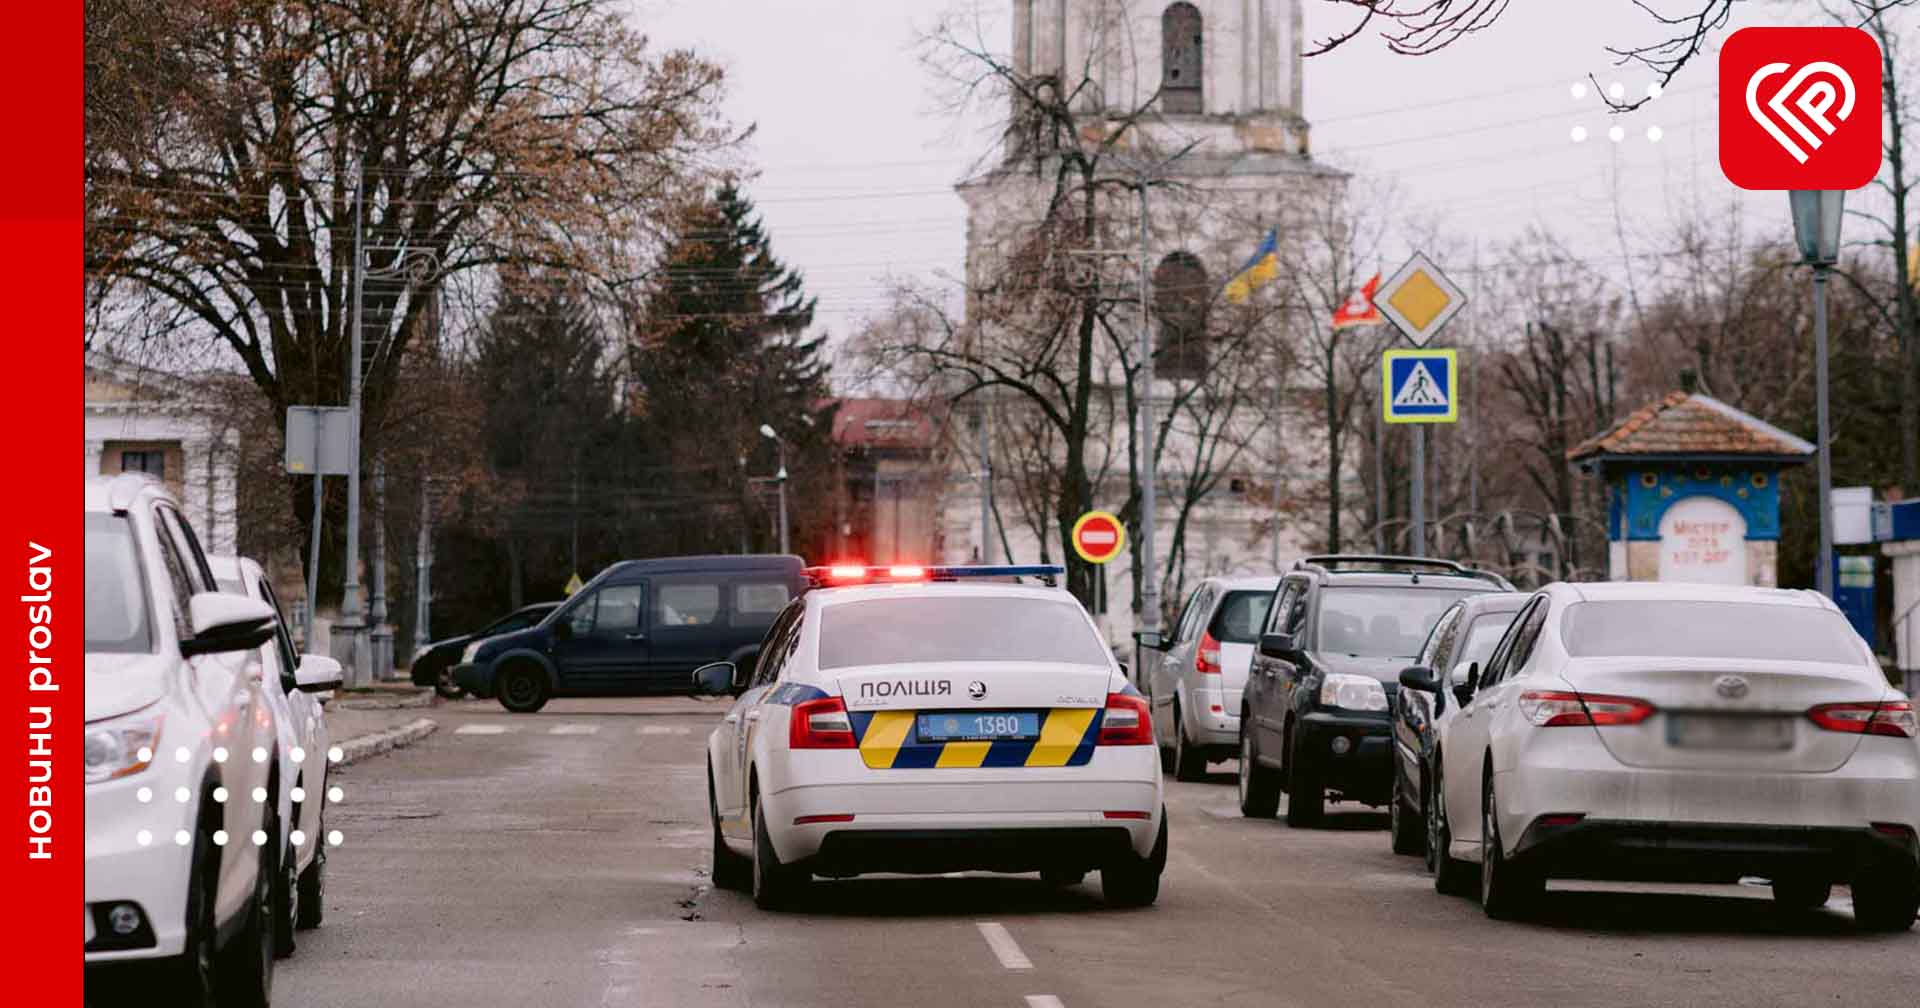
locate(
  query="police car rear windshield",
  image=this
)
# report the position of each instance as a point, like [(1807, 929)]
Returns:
[(911, 630), (1754, 631)]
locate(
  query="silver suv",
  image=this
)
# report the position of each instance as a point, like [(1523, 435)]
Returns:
[(1195, 686), (180, 739)]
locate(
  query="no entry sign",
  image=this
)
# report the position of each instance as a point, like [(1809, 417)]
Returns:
[(1098, 537)]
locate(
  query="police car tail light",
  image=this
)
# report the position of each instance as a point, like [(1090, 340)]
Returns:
[(1893, 718), (1556, 709), (821, 724), (1206, 658), (1126, 722)]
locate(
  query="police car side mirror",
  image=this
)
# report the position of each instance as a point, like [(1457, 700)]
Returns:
[(714, 678)]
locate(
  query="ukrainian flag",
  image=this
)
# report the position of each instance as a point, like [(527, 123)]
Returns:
[(1264, 266)]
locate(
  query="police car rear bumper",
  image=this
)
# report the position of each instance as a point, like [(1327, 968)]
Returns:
[(846, 852), (1055, 809)]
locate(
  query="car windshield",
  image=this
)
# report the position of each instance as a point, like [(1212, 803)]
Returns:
[(1381, 621), (1240, 616), (925, 628), (116, 596), (1737, 630), (512, 621)]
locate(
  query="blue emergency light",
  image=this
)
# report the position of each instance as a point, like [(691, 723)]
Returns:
[(852, 574)]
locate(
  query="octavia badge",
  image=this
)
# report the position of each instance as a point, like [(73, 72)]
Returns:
[(1732, 687), (977, 690)]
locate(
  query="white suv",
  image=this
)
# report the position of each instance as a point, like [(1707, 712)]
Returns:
[(180, 857), (293, 686)]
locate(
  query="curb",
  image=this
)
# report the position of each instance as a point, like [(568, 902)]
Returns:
[(361, 747), (370, 700)]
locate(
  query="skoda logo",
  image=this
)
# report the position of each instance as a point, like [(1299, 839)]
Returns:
[(1732, 687), (977, 690)]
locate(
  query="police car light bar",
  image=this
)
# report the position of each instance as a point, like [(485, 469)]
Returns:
[(842, 574)]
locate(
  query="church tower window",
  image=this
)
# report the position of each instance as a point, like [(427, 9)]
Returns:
[(1181, 60)]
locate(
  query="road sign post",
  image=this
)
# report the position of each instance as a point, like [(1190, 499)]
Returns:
[(1419, 387)]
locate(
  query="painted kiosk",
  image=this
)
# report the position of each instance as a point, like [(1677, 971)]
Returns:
[(1693, 491)]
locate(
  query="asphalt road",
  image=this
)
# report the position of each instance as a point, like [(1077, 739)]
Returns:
[(559, 859)]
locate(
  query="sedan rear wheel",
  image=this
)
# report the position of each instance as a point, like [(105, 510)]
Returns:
[(1451, 876), (775, 886), (1801, 893), (1507, 890), (1886, 897)]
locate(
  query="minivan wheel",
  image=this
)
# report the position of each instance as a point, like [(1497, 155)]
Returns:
[(1189, 763), (523, 688), (1259, 786)]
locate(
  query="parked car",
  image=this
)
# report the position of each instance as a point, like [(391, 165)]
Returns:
[(1338, 632), (640, 626), (293, 686), (1672, 732), (1453, 654), (1195, 687), (174, 708), (433, 666)]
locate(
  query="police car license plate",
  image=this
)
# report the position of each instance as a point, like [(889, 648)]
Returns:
[(969, 726), (1710, 731)]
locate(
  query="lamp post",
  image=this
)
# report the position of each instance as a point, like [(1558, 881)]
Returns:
[(779, 479), (1817, 215)]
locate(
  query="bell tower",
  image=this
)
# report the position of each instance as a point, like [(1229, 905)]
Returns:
[(1226, 71)]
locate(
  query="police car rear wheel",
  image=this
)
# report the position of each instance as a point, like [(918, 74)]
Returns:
[(1135, 882), (1063, 877), (775, 886)]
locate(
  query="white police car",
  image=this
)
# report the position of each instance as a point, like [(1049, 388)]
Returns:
[(931, 720)]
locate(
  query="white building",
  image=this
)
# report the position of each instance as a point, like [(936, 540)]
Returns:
[(1227, 142), (140, 420)]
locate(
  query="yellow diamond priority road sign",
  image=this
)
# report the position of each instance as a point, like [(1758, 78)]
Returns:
[(1419, 300)]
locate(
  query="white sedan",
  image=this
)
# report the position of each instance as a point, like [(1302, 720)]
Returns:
[(1683, 733), (293, 685), (928, 721)]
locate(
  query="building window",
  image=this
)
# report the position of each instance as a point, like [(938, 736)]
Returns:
[(1180, 296), (1180, 60), (153, 463)]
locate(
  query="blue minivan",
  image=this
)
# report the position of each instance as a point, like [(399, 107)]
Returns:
[(639, 627)]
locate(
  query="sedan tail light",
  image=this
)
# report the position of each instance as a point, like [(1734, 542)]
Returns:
[(821, 724), (1555, 709), (1206, 657), (1892, 717), (1127, 721)]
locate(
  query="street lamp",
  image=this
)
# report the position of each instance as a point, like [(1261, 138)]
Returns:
[(1817, 215), (779, 478)]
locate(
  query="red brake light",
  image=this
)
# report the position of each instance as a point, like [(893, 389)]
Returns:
[(1555, 709), (1206, 658), (821, 724), (1127, 721), (1893, 717)]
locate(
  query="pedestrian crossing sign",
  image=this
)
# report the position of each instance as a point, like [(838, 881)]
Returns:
[(1420, 386)]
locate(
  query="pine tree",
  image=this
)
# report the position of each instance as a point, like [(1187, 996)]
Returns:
[(724, 347)]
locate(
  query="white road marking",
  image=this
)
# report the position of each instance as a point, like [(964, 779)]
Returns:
[(573, 729), (657, 729), (480, 729), (1044, 1001), (1003, 946)]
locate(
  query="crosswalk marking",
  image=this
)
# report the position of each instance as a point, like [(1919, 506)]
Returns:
[(659, 729), (573, 729), (480, 729)]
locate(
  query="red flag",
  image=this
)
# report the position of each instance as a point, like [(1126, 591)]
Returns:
[(1359, 309)]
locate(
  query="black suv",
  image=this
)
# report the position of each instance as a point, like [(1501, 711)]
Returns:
[(640, 626), (1314, 717)]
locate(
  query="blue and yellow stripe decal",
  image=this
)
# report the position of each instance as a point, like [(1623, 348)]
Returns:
[(1067, 737)]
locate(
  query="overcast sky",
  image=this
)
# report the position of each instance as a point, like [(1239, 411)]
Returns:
[(857, 158)]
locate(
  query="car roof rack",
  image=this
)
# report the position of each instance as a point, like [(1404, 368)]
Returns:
[(1372, 563), (843, 575)]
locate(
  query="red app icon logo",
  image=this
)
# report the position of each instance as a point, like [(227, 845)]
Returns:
[(1800, 108)]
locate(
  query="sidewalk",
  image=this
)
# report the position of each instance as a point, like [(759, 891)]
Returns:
[(366, 722)]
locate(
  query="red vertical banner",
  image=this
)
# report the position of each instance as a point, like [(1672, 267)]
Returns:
[(42, 721)]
